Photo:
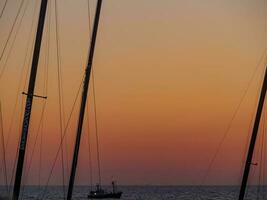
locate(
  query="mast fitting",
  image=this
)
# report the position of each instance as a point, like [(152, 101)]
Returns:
[(34, 95)]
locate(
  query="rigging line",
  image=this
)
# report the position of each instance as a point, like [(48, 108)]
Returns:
[(59, 59), (40, 155), (23, 100), (259, 161), (264, 157), (11, 30), (60, 97), (26, 175), (63, 102), (1, 73), (87, 111), (3, 146), (21, 117), (89, 23), (18, 89), (31, 55), (95, 110), (61, 85), (96, 129), (89, 15), (261, 141), (4, 7), (38, 133), (89, 149), (257, 150), (262, 152), (14, 40), (45, 89), (232, 119), (60, 145), (247, 139), (17, 152), (42, 122), (20, 81), (252, 114), (16, 156)]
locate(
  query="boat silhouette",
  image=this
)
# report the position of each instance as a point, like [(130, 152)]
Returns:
[(100, 193)]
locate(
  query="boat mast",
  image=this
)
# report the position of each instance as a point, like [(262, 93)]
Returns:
[(253, 139), (30, 95), (84, 98)]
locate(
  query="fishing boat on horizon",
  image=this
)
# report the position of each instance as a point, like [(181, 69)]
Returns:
[(99, 193)]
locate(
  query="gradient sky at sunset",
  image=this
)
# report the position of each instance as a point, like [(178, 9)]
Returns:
[(168, 75)]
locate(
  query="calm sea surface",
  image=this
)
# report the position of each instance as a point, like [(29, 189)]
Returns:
[(152, 192)]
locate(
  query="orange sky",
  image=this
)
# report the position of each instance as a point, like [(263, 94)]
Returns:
[(169, 76)]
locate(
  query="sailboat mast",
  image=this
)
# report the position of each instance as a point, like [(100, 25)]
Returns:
[(84, 99), (30, 95), (253, 139)]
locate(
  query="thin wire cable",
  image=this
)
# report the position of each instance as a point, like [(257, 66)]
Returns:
[(96, 130), (18, 94), (59, 62), (21, 114), (89, 15), (16, 157), (3, 147), (45, 88), (11, 30), (14, 40), (42, 196), (261, 142), (40, 157), (27, 171), (3, 9), (264, 160), (257, 153), (89, 150), (250, 128), (228, 128), (262, 152), (20, 79), (256, 160), (95, 107), (45, 92), (17, 152), (59, 78), (87, 111)]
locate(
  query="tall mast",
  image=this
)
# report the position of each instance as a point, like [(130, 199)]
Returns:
[(30, 95), (84, 98), (253, 139)]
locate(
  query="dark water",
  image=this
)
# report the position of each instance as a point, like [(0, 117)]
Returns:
[(152, 192)]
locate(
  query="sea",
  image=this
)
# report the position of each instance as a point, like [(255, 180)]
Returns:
[(149, 192)]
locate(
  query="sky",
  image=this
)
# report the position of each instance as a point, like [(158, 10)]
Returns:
[(169, 76)]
